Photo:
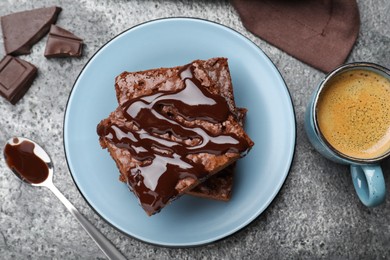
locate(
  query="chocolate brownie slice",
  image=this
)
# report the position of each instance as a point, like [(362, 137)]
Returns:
[(218, 72), (214, 74), (172, 135), (220, 185)]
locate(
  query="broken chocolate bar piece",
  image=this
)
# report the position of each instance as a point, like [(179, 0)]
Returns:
[(62, 43), (16, 77), (23, 29)]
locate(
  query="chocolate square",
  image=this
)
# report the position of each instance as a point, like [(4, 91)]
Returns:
[(16, 77), (62, 43)]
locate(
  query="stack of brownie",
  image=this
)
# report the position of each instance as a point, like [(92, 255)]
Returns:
[(176, 131)]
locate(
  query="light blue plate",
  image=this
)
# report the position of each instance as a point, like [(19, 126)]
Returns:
[(258, 86)]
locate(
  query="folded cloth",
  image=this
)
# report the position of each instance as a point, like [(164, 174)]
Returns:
[(319, 33)]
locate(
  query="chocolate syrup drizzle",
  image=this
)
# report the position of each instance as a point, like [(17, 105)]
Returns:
[(164, 160), (22, 159)]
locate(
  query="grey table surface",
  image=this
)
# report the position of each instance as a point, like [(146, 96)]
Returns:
[(315, 215)]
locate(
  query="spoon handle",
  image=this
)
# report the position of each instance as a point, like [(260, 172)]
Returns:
[(104, 244)]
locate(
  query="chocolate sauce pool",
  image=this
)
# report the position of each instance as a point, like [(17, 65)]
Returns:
[(25, 163), (164, 160)]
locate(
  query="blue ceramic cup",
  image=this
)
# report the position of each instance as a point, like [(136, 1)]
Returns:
[(366, 172)]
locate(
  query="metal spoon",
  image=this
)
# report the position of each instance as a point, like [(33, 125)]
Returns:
[(33, 165)]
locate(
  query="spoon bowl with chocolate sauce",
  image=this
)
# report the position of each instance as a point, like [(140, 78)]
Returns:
[(30, 163)]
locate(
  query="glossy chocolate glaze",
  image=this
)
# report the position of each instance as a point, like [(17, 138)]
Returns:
[(164, 160), (25, 163)]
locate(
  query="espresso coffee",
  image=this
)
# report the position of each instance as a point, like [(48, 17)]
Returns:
[(353, 113)]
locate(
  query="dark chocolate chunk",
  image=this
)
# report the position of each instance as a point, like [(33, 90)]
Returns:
[(16, 77), (62, 43), (23, 29)]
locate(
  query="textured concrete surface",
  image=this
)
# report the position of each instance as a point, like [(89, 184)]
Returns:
[(316, 214)]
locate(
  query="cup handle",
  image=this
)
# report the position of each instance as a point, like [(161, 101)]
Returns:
[(369, 184)]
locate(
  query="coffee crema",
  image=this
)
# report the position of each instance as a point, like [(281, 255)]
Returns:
[(353, 113)]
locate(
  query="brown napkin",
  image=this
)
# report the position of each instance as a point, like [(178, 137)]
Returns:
[(319, 33)]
